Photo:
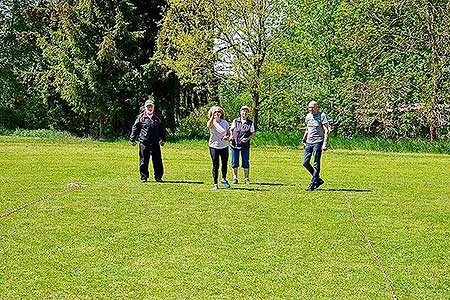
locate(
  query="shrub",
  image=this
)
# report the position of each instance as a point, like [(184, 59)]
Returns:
[(193, 126), (9, 118)]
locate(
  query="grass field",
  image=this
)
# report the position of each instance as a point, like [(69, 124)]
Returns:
[(116, 238)]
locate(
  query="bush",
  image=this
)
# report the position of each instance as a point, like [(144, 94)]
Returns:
[(39, 133), (9, 118), (193, 126)]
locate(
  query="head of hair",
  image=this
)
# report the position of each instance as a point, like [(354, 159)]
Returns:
[(313, 103), (214, 109)]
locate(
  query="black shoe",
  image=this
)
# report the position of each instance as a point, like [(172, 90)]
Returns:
[(144, 180), (158, 180), (319, 183), (311, 187)]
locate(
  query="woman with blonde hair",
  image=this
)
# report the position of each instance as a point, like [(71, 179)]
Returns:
[(219, 134)]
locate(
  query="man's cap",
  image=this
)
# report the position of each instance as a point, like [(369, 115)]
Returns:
[(245, 107), (149, 101)]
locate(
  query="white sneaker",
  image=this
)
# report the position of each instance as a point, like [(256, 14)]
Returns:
[(215, 187), (247, 181)]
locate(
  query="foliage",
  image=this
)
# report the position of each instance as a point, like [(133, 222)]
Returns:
[(95, 60), (206, 39), (41, 133), (193, 126), (380, 68), (365, 62), (93, 64), (9, 118)]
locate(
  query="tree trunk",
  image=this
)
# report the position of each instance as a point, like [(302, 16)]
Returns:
[(255, 102), (101, 125)]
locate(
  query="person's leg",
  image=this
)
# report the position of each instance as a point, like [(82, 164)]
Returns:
[(224, 157), (158, 168), (245, 152), (144, 157), (235, 164), (235, 175), (215, 163), (307, 157), (317, 155)]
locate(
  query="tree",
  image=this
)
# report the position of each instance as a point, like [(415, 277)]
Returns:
[(12, 50), (98, 59), (305, 64), (405, 57), (436, 31), (369, 61), (206, 39)]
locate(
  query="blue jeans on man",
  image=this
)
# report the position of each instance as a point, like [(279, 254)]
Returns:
[(316, 151)]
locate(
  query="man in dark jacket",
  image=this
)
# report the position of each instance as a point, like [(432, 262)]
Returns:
[(150, 129)]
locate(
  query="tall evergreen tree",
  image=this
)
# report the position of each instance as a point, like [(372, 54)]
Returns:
[(99, 60)]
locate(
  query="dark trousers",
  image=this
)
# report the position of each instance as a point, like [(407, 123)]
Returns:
[(215, 154), (310, 150), (144, 157)]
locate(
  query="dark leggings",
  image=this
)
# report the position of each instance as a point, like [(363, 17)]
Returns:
[(215, 153)]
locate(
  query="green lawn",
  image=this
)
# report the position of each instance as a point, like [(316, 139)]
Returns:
[(119, 239)]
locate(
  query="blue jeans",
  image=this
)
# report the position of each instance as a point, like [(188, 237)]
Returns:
[(245, 153), (310, 150)]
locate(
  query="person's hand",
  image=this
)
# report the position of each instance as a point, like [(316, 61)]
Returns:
[(324, 148), (244, 140), (133, 143), (226, 138), (162, 143)]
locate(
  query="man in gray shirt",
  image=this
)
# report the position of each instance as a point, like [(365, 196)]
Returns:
[(315, 141)]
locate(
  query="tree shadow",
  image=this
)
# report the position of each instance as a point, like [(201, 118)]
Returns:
[(182, 182), (344, 190)]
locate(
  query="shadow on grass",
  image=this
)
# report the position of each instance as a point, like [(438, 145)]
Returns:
[(248, 189), (271, 184), (344, 190), (182, 182)]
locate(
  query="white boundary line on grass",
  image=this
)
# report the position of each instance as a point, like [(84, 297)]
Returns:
[(372, 249), (10, 212)]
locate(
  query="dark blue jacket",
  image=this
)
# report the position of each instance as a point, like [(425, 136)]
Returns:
[(150, 129)]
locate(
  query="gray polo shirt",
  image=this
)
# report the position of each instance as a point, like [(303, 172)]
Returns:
[(314, 124)]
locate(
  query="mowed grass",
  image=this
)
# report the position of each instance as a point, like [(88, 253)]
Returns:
[(119, 239)]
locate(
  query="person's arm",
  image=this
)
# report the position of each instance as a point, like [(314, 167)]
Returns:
[(326, 133), (135, 130), (228, 135), (162, 133), (305, 136), (252, 134), (232, 127), (210, 122)]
